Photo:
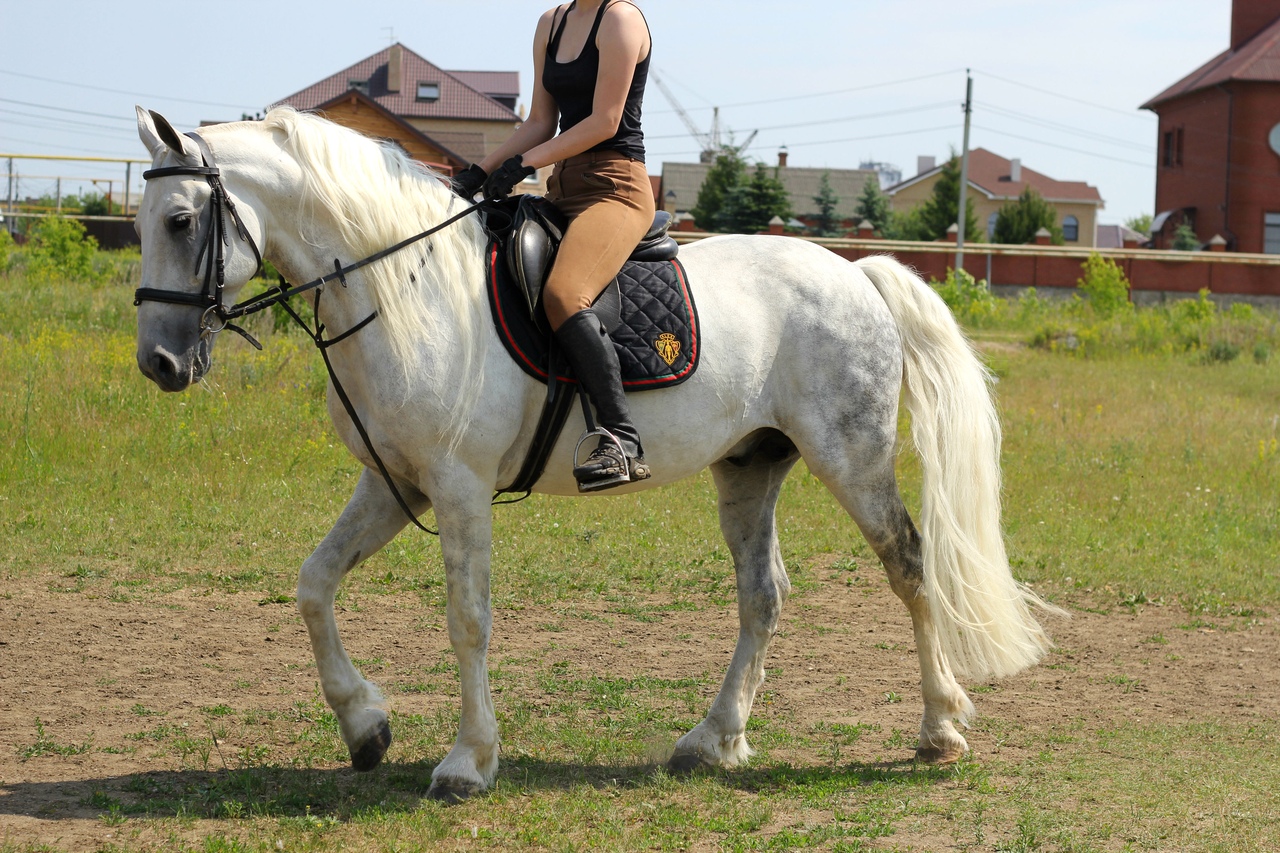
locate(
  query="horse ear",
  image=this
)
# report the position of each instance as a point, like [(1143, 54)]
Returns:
[(159, 136)]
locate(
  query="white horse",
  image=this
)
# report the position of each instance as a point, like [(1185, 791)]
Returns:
[(804, 355)]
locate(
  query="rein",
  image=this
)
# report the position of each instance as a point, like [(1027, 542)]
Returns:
[(216, 312)]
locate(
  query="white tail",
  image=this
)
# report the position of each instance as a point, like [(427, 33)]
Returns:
[(983, 616)]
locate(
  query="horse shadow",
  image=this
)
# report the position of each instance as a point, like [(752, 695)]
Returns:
[(316, 795)]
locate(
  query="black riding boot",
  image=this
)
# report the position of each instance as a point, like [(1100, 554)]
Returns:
[(590, 353)]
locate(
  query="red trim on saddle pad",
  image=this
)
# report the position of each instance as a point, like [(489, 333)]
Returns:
[(658, 289)]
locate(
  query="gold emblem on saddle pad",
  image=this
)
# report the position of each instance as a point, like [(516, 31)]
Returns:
[(668, 347)]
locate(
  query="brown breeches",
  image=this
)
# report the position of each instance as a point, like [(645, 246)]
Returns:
[(609, 202)]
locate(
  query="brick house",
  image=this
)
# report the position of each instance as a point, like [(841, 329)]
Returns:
[(444, 118), (1218, 142), (995, 181)]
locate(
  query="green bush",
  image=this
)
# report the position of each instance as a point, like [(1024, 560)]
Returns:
[(60, 249), (970, 299), (1105, 285), (1221, 351), (6, 249)]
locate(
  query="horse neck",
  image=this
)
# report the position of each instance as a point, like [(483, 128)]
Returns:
[(441, 332)]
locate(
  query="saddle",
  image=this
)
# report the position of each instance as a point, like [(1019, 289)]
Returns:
[(647, 309), (538, 226)]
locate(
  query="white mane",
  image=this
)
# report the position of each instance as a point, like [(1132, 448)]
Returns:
[(376, 196)]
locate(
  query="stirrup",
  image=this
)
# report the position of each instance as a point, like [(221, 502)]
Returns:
[(632, 468)]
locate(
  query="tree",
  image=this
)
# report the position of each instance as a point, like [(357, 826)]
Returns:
[(96, 204), (873, 206), (1140, 223), (1018, 221), (826, 200), (1185, 239), (749, 206), (942, 209), (725, 174)]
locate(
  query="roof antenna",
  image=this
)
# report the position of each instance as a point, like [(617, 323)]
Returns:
[(391, 34)]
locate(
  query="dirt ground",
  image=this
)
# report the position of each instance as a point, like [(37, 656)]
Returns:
[(81, 666)]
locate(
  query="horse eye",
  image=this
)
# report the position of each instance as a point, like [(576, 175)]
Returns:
[(180, 221)]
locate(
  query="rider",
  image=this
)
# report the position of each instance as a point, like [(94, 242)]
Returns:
[(591, 61)]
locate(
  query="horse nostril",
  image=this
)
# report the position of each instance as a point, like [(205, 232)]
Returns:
[(163, 369), (163, 366)]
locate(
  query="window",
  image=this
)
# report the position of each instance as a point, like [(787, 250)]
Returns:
[(1171, 148), (1271, 233), (361, 86), (428, 91), (1071, 229), (991, 224)]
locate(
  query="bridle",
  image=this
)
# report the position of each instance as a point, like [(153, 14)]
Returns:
[(217, 316)]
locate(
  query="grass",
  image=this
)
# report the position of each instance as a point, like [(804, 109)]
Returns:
[(1133, 478)]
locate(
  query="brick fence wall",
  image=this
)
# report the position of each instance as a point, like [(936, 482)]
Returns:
[(1153, 274)]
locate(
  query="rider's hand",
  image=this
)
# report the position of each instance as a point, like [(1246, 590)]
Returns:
[(469, 181), (505, 177)]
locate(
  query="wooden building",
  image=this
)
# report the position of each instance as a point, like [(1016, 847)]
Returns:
[(445, 118)]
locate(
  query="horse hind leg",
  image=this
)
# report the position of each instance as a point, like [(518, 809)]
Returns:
[(884, 521), (748, 482)]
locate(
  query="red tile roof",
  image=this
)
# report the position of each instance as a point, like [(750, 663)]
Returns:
[(491, 83), (991, 173), (1258, 59), (457, 99)]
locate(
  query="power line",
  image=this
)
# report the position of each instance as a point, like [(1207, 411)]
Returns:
[(835, 141), (1129, 113), (1065, 128), (122, 92), (919, 109), (1071, 148), (130, 120), (790, 98), (75, 122)]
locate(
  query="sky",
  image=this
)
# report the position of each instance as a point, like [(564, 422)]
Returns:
[(1057, 85)]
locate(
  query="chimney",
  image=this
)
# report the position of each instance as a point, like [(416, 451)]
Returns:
[(1250, 17), (924, 164), (782, 157), (1015, 170), (395, 67)]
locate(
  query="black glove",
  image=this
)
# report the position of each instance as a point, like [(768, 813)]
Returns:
[(505, 177), (469, 181)]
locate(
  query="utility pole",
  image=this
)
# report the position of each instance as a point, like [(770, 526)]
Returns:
[(964, 172)]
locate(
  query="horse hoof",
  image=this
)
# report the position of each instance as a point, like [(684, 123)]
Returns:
[(370, 753), (450, 792), (939, 755), (684, 763)]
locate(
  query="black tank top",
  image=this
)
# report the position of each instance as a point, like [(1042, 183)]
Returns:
[(573, 86)]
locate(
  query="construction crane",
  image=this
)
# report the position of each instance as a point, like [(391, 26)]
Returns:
[(712, 147)]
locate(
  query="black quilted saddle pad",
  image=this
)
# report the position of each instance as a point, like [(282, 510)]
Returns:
[(657, 341)]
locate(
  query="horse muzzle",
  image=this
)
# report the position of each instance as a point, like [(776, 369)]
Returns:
[(172, 371)]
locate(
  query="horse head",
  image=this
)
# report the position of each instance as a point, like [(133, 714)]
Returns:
[(196, 255)]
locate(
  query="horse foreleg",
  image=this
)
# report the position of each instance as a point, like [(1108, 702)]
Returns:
[(466, 541), (371, 519), (748, 493)]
